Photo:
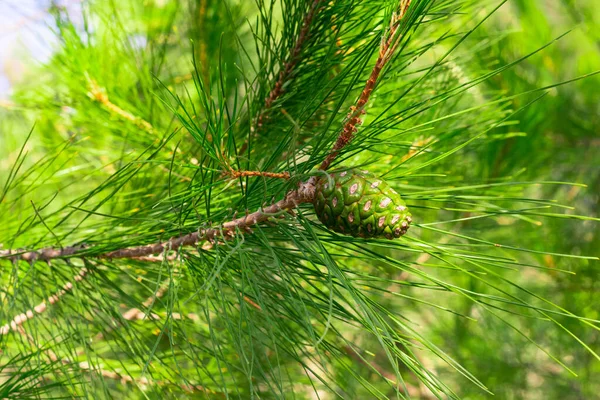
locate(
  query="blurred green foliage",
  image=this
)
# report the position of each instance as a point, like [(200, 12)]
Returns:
[(562, 143)]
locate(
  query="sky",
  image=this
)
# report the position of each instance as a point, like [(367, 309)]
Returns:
[(25, 34)]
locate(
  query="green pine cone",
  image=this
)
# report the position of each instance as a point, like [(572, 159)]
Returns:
[(358, 203)]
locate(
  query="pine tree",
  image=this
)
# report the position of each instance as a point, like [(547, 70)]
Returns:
[(163, 234)]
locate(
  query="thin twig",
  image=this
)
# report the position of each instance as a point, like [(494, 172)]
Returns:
[(98, 94), (286, 70), (291, 63), (86, 367), (304, 194), (234, 174), (416, 148), (43, 306), (353, 119), (136, 314)]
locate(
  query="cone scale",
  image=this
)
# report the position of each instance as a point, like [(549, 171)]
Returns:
[(360, 204)]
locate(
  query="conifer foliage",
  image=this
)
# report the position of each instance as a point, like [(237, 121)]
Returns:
[(188, 212)]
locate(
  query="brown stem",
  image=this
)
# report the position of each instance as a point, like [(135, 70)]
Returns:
[(241, 174), (291, 63), (304, 194), (286, 70), (43, 306), (353, 119), (86, 367)]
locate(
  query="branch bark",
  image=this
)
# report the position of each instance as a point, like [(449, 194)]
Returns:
[(234, 174), (291, 63), (86, 367), (304, 194), (20, 319), (286, 70), (353, 119)]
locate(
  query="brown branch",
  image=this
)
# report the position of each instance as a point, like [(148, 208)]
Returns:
[(304, 194), (291, 63), (286, 70), (43, 306), (85, 366), (45, 254), (353, 119), (136, 314), (234, 174)]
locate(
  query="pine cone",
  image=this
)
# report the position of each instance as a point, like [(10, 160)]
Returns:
[(360, 204)]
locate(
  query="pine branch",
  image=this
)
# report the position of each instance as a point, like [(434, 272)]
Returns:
[(46, 254), (304, 194), (98, 94), (353, 119), (86, 367), (286, 71), (43, 306), (234, 174), (292, 61), (272, 318)]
